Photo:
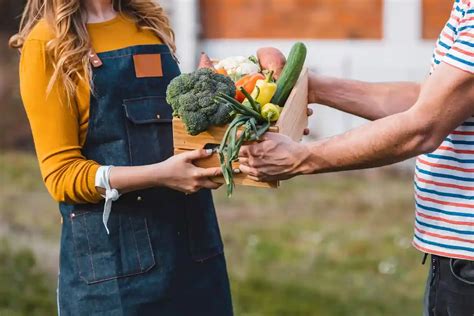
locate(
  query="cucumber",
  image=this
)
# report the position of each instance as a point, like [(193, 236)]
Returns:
[(290, 74)]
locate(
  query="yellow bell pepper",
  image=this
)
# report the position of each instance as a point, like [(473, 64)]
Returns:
[(271, 112), (264, 90)]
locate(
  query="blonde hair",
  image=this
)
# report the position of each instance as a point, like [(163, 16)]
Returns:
[(69, 49)]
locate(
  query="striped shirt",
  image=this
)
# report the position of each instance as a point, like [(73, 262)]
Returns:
[(444, 179)]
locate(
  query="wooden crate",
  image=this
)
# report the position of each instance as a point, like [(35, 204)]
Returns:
[(292, 122)]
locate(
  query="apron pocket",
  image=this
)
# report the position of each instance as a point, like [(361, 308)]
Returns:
[(149, 129), (127, 251)]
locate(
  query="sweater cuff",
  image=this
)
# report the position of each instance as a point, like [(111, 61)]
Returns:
[(96, 196)]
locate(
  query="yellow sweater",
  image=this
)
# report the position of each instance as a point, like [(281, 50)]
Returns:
[(59, 131)]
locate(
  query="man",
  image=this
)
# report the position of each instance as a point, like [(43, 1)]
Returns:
[(434, 120)]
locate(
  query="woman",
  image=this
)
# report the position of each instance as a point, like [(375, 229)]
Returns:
[(93, 78)]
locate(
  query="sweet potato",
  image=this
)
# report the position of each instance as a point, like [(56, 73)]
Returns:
[(205, 62), (271, 59)]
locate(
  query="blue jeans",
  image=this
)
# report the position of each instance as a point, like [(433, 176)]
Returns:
[(450, 288)]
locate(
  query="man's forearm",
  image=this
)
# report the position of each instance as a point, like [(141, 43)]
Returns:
[(368, 100), (383, 142)]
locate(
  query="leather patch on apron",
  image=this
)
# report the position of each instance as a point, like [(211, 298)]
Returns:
[(94, 59), (148, 65)]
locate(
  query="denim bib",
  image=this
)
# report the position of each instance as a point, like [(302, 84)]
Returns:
[(164, 254)]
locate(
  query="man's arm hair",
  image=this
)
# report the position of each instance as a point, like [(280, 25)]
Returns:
[(371, 101)]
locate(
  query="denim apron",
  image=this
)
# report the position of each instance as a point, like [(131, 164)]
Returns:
[(164, 255)]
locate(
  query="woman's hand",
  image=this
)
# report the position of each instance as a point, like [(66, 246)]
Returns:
[(179, 172)]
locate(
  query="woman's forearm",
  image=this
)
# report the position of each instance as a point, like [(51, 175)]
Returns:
[(368, 100), (178, 173), (128, 179)]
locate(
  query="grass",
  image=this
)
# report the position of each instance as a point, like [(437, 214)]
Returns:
[(24, 289), (327, 245)]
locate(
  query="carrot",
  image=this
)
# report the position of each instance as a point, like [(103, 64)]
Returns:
[(222, 71)]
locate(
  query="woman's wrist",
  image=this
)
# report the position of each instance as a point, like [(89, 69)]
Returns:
[(127, 179), (158, 174)]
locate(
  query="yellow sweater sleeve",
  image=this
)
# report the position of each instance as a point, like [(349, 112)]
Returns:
[(67, 174)]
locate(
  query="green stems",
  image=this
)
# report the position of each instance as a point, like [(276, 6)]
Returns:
[(253, 103), (237, 106), (251, 126), (232, 141), (229, 150)]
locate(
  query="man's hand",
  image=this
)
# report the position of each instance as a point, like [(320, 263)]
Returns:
[(277, 157)]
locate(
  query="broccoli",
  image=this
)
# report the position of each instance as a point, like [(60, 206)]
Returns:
[(192, 97)]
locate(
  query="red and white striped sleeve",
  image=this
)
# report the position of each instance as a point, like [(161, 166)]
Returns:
[(461, 54)]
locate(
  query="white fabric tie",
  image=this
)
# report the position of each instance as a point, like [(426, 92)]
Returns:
[(102, 180)]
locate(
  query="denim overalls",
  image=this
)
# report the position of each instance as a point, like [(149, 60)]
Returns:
[(164, 255)]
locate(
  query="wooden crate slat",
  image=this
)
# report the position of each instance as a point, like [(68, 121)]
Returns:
[(294, 118), (183, 140), (213, 135)]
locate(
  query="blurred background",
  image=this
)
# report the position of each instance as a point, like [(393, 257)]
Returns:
[(328, 245)]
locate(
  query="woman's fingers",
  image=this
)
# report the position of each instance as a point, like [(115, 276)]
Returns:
[(210, 172), (197, 154), (209, 184)]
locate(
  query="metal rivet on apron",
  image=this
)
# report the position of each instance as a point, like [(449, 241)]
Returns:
[(158, 116), (139, 198), (73, 215)]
